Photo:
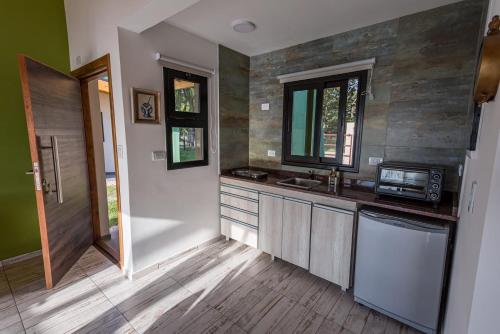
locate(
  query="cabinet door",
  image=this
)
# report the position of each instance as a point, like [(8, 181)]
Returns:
[(270, 223), (296, 232), (331, 244)]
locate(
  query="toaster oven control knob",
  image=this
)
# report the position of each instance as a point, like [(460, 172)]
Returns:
[(436, 177), (434, 196), (435, 186)]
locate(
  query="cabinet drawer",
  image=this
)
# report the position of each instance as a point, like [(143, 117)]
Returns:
[(240, 203), (252, 194), (239, 215), (245, 234)]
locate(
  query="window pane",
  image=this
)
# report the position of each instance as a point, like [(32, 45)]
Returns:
[(187, 96), (350, 120), (303, 116), (187, 144), (330, 123)]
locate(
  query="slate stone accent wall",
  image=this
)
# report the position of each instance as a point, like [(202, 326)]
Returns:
[(234, 70), (422, 82)]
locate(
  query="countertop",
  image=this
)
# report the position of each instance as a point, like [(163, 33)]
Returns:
[(365, 195)]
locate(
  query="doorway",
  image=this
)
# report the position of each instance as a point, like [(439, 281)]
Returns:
[(99, 119)]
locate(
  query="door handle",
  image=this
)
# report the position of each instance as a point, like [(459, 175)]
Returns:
[(29, 172), (57, 169)]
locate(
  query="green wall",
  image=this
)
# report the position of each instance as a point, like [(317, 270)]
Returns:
[(38, 29)]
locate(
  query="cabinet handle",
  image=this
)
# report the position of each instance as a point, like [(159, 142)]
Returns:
[(329, 208)]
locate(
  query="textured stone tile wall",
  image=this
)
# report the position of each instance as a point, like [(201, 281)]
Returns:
[(422, 82), (234, 70)]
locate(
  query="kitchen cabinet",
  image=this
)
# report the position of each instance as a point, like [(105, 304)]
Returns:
[(331, 244), (239, 212), (296, 231), (270, 223)]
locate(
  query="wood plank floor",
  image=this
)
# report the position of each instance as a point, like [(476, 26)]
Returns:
[(225, 287)]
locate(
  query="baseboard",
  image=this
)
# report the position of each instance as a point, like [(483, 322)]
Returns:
[(158, 265), (20, 258)]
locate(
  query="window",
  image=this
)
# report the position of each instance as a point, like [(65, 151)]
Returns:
[(187, 119), (322, 121)]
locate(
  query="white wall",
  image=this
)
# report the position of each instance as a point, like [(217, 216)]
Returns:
[(474, 300), (170, 211), (93, 32)]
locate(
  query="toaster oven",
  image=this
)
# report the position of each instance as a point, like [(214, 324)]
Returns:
[(410, 180)]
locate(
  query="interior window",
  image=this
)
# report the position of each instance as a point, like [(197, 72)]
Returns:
[(322, 121), (187, 120)]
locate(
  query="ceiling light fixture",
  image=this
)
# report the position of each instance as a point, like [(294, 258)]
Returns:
[(243, 26)]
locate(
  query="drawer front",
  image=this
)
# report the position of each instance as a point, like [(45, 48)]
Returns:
[(252, 194), (239, 215), (242, 233), (240, 203)]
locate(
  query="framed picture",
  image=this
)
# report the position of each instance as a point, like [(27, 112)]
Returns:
[(145, 106)]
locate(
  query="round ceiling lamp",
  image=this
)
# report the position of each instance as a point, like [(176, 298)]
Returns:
[(243, 26)]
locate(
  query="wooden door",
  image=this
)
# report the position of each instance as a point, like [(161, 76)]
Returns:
[(331, 244), (54, 117), (296, 232), (270, 223)]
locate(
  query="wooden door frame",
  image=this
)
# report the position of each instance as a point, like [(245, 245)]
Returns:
[(86, 74)]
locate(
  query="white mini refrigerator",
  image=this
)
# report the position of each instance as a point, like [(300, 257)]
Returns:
[(400, 267)]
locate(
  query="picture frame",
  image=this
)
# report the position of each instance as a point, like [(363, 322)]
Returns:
[(145, 106)]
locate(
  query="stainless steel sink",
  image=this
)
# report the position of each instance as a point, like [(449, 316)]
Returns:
[(297, 182)]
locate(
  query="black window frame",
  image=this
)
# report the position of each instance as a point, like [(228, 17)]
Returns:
[(315, 161), (176, 119)]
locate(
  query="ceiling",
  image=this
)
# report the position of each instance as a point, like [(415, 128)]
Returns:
[(283, 23)]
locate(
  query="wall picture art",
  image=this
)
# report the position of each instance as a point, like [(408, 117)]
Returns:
[(145, 106)]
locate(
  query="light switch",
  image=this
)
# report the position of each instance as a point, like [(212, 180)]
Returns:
[(159, 155), (271, 153), (374, 161), (119, 151), (264, 106)]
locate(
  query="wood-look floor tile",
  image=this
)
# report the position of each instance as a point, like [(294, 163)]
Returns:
[(6, 298), (290, 320), (275, 274), (329, 327), (111, 321), (10, 322), (231, 282), (356, 319), (61, 305), (314, 292), (201, 323), (243, 300), (376, 323), (327, 300), (310, 323), (257, 266), (262, 315), (71, 319), (342, 308), (145, 309), (221, 326), (180, 316), (121, 289), (224, 287)]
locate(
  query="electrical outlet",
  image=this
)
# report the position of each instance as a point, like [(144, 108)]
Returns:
[(264, 106), (271, 153), (374, 161)]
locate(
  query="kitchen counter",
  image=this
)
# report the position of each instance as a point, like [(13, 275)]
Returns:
[(363, 195)]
